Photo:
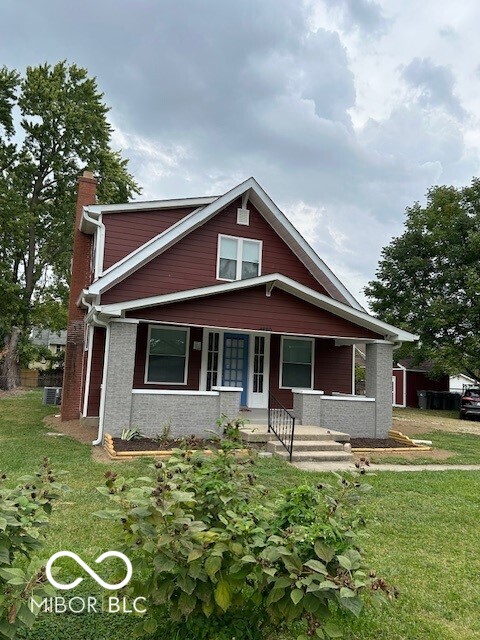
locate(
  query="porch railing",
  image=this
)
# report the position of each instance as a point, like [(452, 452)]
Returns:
[(281, 423)]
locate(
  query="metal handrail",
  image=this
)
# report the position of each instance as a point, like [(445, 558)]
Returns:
[(282, 423)]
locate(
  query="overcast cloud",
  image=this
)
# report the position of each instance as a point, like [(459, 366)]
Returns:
[(346, 111)]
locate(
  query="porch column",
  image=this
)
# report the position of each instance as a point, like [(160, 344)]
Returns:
[(119, 381), (378, 384), (228, 401), (307, 406)]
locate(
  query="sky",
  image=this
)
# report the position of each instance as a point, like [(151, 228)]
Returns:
[(345, 111)]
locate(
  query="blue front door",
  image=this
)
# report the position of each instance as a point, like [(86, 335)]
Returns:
[(235, 363)]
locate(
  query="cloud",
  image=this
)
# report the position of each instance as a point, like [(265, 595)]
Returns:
[(435, 85), (359, 15), (205, 93)]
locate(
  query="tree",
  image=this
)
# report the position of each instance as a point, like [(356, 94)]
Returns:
[(53, 124), (428, 280)]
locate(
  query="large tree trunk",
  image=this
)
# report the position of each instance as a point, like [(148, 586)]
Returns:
[(10, 370)]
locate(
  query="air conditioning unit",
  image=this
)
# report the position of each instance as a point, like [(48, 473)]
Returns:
[(52, 395)]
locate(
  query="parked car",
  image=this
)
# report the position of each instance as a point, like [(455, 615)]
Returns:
[(470, 404)]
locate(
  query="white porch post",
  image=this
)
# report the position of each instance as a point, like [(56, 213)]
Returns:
[(378, 384)]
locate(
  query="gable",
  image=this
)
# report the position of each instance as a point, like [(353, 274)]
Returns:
[(252, 309), (192, 261), (128, 230)]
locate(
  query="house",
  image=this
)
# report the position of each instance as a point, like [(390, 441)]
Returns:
[(53, 341), (461, 382), (181, 310)]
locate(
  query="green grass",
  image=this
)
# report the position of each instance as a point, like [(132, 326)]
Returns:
[(423, 533), (464, 446)]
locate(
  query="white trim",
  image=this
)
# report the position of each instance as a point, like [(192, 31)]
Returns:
[(239, 259), (223, 389), (256, 400), (151, 205), (267, 208), (187, 354), (312, 363), (349, 398), (308, 392), (361, 318), (86, 390), (237, 330), (173, 392)]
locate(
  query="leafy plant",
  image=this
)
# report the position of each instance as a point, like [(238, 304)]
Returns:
[(230, 429), (165, 436), (130, 434), (24, 512), (218, 559)]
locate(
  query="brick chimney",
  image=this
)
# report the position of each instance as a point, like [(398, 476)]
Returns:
[(80, 278)]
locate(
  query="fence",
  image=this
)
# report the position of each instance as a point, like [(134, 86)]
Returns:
[(33, 379)]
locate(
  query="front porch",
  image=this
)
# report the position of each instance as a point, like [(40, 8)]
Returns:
[(185, 377)]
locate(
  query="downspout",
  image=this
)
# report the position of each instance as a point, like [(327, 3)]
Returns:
[(104, 380), (89, 339)]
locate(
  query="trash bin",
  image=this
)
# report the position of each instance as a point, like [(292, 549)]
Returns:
[(422, 399)]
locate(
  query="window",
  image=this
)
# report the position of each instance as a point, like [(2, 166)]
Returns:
[(297, 360), (238, 258), (167, 355)]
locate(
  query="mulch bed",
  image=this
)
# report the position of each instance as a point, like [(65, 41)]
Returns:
[(149, 444), (378, 443)]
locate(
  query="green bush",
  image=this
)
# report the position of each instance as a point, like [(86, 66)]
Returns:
[(218, 559), (24, 512)]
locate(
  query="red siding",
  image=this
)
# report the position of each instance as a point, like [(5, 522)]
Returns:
[(252, 309), (194, 361), (418, 381), (192, 261), (127, 231), (96, 371), (399, 386), (333, 369)]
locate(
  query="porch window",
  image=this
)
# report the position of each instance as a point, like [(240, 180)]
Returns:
[(167, 354), (238, 258), (297, 361)]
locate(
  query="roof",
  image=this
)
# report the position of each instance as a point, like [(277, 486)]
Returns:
[(341, 309), (205, 211)]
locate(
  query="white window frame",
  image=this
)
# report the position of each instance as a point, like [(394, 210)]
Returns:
[(187, 355), (312, 372), (240, 242)]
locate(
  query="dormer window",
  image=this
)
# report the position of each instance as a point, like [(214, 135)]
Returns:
[(238, 258)]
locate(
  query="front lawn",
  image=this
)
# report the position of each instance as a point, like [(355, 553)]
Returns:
[(454, 441), (423, 533)]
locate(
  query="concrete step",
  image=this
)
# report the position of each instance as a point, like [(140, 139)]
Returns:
[(307, 445), (259, 433), (317, 456)]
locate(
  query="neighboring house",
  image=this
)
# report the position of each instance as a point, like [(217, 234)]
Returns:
[(408, 379), (460, 382), (55, 342), (181, 310)]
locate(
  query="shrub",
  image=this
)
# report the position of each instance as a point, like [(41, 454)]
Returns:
[(220, 560), (24, 512)]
